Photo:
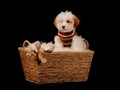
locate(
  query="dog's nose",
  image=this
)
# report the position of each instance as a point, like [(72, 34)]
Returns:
[(63, 27)]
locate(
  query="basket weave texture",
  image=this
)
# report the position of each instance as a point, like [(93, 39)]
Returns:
[(60, 66)]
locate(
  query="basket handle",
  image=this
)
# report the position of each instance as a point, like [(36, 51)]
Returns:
[(26, 42), (87, 44)]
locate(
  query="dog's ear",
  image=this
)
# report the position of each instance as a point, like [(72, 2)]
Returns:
[(55, 22), (76, 21)]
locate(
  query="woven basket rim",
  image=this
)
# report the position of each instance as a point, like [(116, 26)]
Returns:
[(86, 51)]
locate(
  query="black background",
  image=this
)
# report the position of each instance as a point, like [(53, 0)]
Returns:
[(34, 21)]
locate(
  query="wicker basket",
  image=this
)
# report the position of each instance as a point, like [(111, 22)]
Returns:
[(60, 66)]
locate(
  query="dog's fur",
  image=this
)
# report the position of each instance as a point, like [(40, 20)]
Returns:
[(67, 22)]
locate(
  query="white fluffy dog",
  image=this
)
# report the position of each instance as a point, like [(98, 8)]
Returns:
[(67, 38)]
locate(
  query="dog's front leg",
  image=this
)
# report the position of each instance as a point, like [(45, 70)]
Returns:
[(58, 44), (78, 44)]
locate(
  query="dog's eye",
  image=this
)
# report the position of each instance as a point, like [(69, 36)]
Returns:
[(68, 21)]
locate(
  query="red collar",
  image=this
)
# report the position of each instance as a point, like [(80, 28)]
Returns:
[(68, 34)]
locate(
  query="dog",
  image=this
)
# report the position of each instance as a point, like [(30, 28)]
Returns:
[(67, 38)]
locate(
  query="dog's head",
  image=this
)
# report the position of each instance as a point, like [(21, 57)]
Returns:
[(66, 21)]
